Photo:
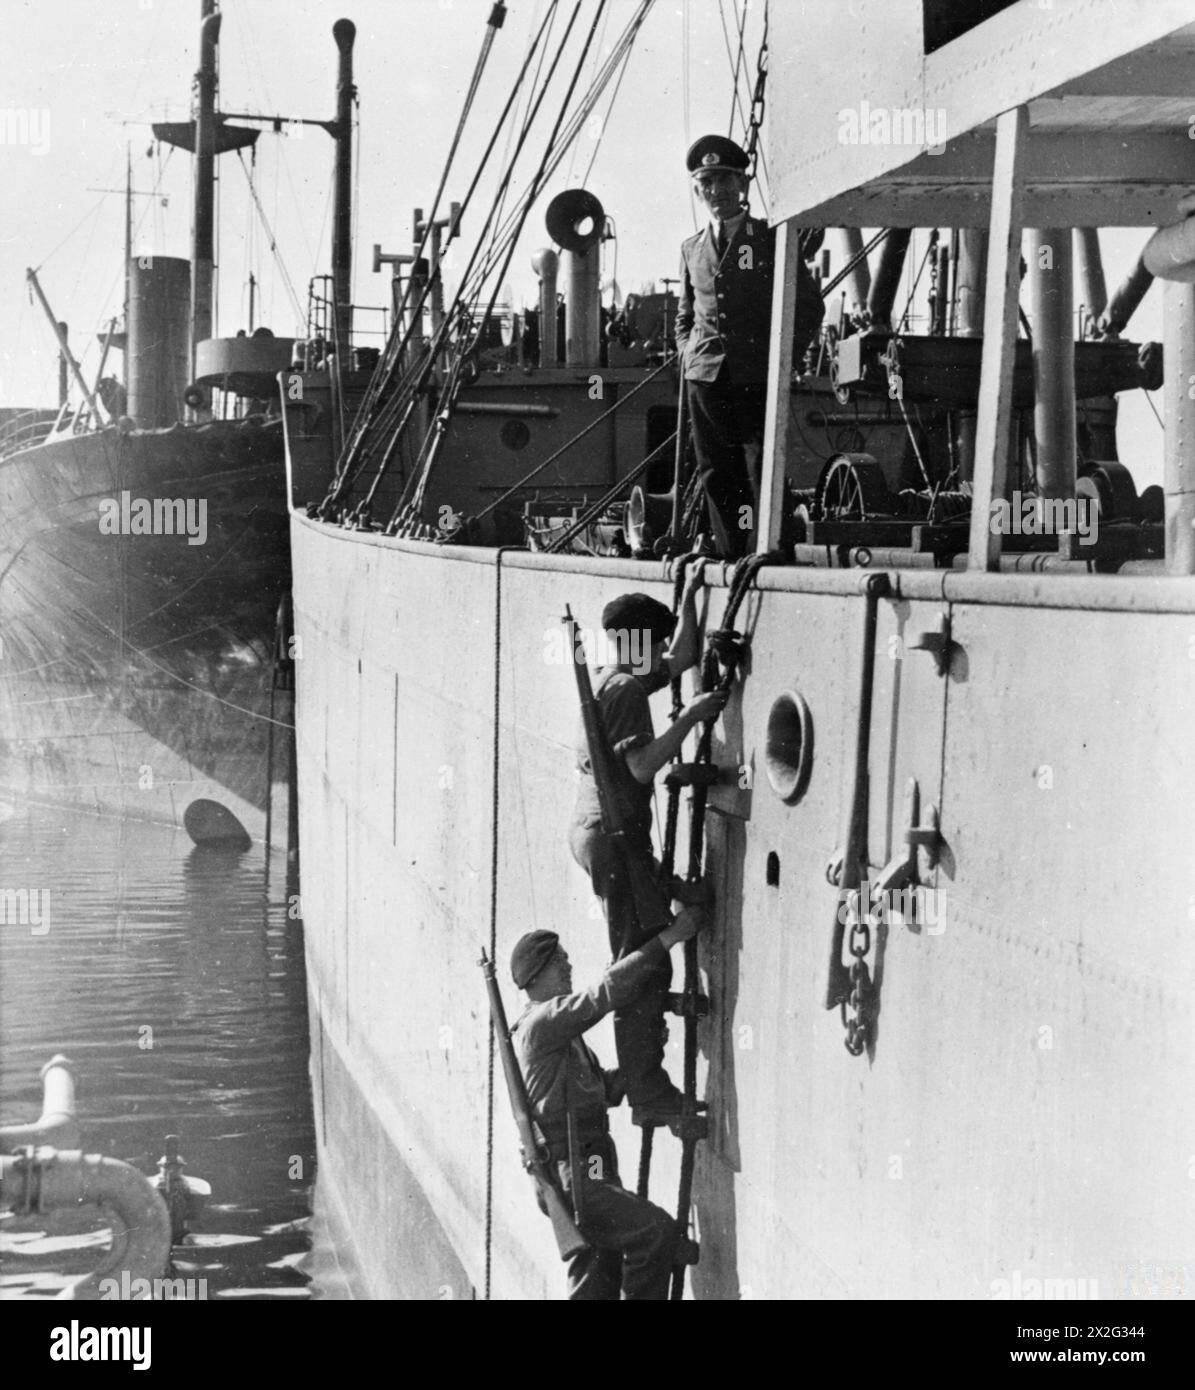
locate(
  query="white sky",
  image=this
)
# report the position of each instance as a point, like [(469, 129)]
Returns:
[(91, 74), (94, 64)]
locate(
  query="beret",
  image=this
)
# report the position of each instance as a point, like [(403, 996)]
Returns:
[(639, 612), (716, 152), (531, 953)]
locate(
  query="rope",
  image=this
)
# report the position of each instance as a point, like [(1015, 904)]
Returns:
[(568, 444), (495, 808), (607, 497), (862, 255), (452, 388), (287, 282), (392, 359)]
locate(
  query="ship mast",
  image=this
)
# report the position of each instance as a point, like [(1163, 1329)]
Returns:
[(344, 32), (128, 251), (203, 236), (206, 135)]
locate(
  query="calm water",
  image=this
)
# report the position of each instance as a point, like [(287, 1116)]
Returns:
[(174, 981)]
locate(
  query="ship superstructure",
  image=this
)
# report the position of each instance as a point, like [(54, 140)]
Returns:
[(950, 824)]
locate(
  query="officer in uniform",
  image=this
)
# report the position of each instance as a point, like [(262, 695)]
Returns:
[(633, 1244), (664, 648), (722, 332)]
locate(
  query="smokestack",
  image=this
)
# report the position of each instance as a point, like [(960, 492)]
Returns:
[(545, 263), (582, 306), (344, 31)]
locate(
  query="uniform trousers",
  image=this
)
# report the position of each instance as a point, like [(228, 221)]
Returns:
[(727, 420), (640, 1032), (632, 1241)]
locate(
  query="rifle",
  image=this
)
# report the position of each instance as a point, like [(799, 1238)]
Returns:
[(535, 1158), (652, 904)]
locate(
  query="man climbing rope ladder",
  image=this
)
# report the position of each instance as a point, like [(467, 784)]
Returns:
[(638, 628)]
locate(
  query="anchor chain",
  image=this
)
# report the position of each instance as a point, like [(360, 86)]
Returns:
[(854, 1007)]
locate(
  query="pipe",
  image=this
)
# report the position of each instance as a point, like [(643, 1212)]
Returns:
[(64, 348), (1178, 459), (1128, 294), (1090, 266), (43, 1180), (940, 302), (344, 31), (583, 317), (1050, 276), (857, 285), (887, 278), (64, 389), (1170, 253), (57, 1124), (545, 264), (202, 235), (970, 279), (970, 286)]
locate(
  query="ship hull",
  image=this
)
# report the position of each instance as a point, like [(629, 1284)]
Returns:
[(1021, 1119), (138, 662)]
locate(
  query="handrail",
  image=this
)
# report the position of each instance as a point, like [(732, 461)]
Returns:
[(13, 440)]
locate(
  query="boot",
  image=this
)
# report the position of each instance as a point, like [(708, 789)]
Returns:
[(639, 1036)]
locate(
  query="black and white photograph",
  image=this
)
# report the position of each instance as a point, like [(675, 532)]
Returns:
[(597, 665)]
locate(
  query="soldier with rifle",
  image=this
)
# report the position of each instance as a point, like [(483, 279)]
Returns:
[(618, 757), (630, 1245)]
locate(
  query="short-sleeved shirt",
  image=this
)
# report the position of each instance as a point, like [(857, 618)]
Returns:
[(622, 699)]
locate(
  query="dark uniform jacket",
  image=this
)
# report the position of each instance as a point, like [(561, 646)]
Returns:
[(561, 1072), (725, 306)]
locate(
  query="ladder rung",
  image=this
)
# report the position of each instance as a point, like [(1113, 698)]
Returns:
[(678, 1005), (693, 775)]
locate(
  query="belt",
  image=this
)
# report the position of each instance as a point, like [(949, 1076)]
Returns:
[(590, 1132)]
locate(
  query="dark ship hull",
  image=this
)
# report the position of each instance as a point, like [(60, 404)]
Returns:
[(137, 667)]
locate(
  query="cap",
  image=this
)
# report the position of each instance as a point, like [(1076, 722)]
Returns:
[(639, 612), (531, 953), (716, 153)]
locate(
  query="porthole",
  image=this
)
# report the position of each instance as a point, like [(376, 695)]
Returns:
[(515, 434), (788, 747)]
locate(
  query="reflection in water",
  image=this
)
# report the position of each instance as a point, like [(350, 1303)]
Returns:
[(173, 978)]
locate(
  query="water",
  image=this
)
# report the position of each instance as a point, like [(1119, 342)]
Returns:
[(173, 979)]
